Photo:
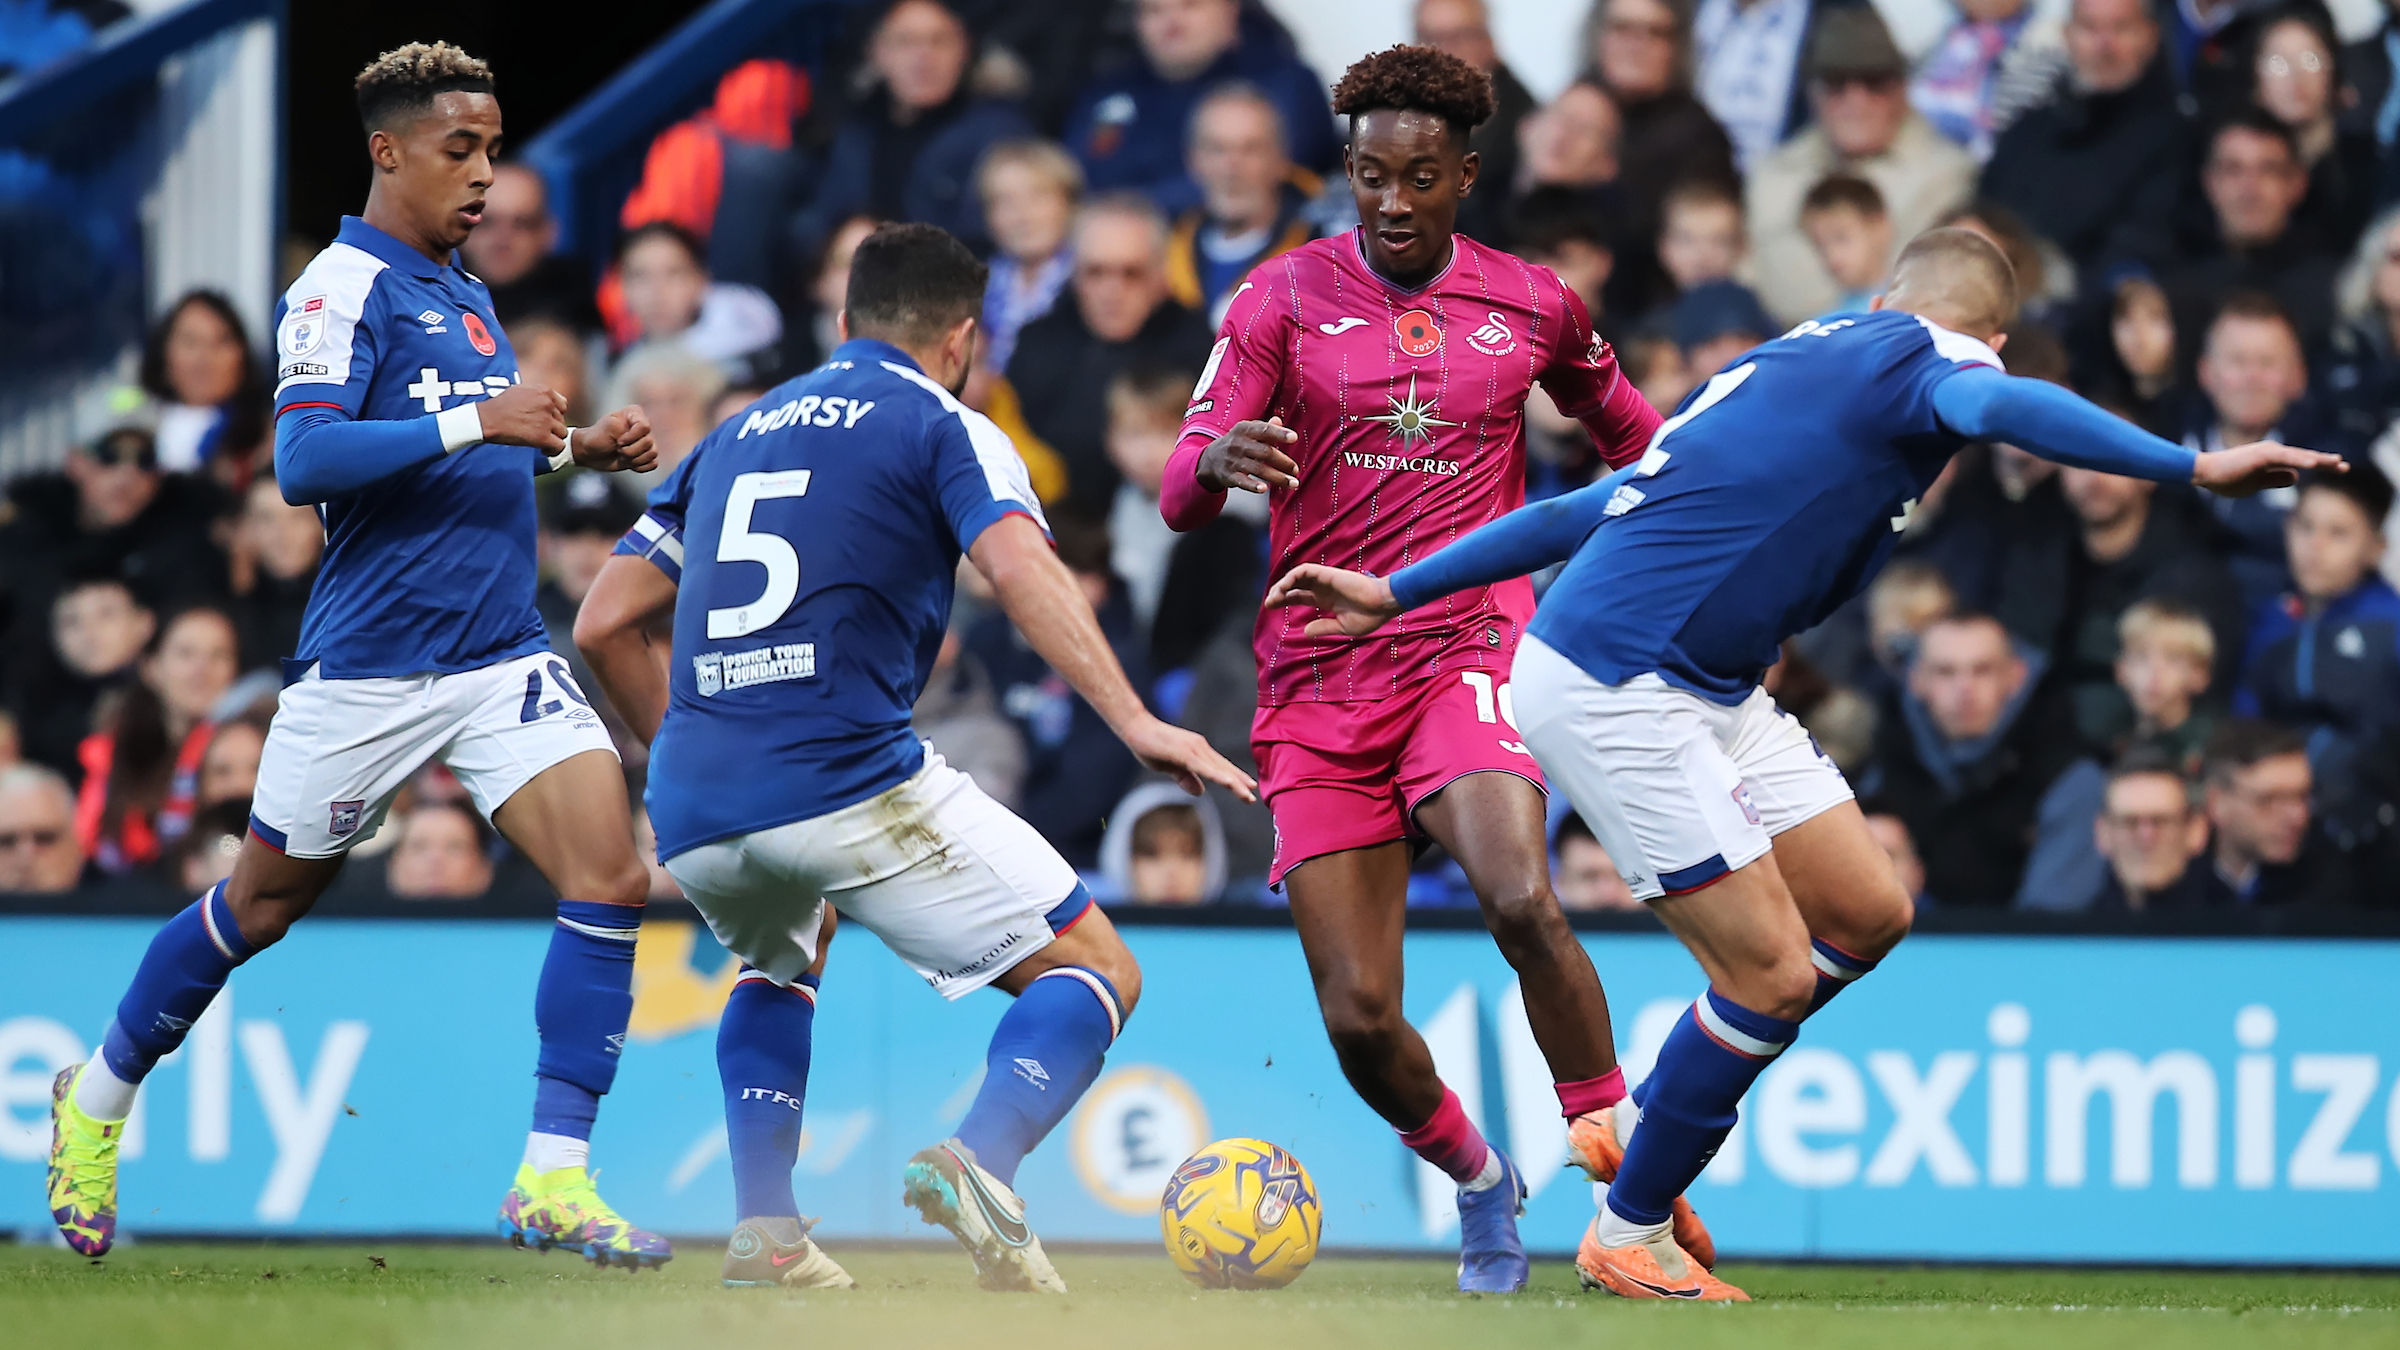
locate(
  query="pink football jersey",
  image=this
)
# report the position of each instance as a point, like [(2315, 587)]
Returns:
[(1410, 409)]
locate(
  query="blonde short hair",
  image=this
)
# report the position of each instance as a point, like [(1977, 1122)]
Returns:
[(2167, 626), (1046, 158)]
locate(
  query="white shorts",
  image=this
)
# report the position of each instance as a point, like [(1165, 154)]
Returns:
[(338, 751), (952, 881), (1678, 789)]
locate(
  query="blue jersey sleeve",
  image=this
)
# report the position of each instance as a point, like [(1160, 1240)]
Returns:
[(1518, 544), (658, 535), (2055, 424), (979, 476), (325, 351)]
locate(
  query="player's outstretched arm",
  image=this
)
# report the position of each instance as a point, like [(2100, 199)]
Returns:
[(627, 603), (2246, 470), (1355, 604), (1047, 606), (1518, 544), (2059, 425), (617, 443)]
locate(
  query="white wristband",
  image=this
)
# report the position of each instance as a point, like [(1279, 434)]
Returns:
[(461, 427), (566, 454)]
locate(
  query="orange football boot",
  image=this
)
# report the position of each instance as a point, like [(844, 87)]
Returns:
[(1655, 1269), (1592, 1145)]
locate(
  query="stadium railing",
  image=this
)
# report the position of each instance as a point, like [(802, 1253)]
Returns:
[(144, 166), (591, 157)]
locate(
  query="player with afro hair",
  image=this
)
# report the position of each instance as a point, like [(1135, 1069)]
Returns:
[(1416, 79), (1366, 751)]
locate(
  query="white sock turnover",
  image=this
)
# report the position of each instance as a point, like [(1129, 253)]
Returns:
[(550, 1152), (1618, 1231), (1490, 1175), (100, 1094)]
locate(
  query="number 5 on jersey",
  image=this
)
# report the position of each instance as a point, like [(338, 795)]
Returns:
[(737, 542)]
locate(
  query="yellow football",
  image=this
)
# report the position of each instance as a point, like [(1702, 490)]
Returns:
[(1241, 1214)]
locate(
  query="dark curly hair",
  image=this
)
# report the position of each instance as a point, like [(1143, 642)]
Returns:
[(402, 83), (1416, 79)]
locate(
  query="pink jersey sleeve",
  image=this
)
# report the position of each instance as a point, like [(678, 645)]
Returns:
[(1239, 383), (1583, 379)]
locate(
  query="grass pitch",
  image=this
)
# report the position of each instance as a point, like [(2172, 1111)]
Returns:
[(264, 1297)]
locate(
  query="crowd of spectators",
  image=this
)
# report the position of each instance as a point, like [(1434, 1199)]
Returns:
[(2070, 692)]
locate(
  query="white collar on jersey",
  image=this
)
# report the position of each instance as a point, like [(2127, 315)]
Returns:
[(1959, 347)]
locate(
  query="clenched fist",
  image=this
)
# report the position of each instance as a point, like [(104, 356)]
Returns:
[(525, 414)]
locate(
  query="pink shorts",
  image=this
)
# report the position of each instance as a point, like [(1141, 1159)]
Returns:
[(1341, 776)]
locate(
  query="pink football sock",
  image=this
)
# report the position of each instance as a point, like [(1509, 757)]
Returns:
[(1450, 1141), (1586, 1095)]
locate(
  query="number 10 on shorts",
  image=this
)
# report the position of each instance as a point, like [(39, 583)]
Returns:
[(1492, 704)]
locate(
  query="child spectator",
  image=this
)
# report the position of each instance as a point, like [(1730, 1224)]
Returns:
[(1164, 848), (1030, 190), (1848, 226), (2149, 834), (1145, 413), (141, 769), (1700, 235), (1655, 365), (1585, 877), (1717, 322), (2165, 651), (2324, 660), (1907, 599), (2252, 372)]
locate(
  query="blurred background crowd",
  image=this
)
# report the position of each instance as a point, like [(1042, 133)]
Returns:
[(2070, 692)]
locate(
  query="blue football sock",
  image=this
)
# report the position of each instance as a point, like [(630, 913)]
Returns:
[(1717, 1049), (187, 963), (580, 1007), (1837, 970), (762, 1060), (1044, 1053)]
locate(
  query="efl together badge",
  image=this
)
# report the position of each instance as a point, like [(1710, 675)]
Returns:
[(1418, 335)]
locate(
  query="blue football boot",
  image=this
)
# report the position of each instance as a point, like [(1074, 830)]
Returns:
[(1491, 1258)]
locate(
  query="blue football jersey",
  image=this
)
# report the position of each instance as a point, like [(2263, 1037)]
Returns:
[(819, 536), (432, 569), (1772, 496)]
